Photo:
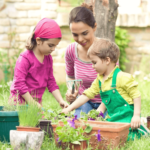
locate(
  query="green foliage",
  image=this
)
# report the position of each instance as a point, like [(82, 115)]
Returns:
[(29, 115), (92, 115), (68, 134), (122, 40), (7, 62), (55, 115), (49, 144), (143, 78), (4, 98)]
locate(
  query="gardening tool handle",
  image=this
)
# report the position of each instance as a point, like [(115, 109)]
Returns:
[(73, 88)]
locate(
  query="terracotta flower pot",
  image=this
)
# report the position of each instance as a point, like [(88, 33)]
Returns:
[(28, 129), (47, 127), (83, 146), (54, 131), (148, 122), (112, 134)]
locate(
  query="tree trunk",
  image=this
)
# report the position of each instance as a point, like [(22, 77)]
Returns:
[(88, 1), (105, 12)]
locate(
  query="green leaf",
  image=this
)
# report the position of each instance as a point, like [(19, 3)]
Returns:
[(88, 129)]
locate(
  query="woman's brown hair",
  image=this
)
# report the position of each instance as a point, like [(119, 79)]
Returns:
[(84, 14)]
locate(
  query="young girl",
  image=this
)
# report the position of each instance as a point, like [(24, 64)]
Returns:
[(118, 90), (34, 67)]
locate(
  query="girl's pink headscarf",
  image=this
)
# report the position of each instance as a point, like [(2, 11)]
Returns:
[(47, 28)]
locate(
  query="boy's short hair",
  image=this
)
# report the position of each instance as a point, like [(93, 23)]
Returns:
[(104, 48)]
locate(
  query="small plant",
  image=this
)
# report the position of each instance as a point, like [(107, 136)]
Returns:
[(70, 134), (55, 115), (93, 115), (29, 115)]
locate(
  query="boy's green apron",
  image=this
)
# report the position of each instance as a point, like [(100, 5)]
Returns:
[(118, 108)]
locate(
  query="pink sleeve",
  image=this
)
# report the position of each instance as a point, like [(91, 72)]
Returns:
[(51, 85), (20, 73), (69, 60)]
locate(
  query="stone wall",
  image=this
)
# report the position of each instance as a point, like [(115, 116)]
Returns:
[(21, 16), (139, 48)]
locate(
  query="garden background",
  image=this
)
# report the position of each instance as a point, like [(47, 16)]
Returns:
[(18, 18)]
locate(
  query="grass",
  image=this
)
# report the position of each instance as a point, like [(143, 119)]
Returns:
[(50, 103)]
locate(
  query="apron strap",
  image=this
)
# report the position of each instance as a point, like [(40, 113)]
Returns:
[(115, 77), (100, 84)]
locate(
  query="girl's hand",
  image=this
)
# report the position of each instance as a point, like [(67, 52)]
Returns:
[(39, 105), (135, 122), (63, 104), (71, 97)]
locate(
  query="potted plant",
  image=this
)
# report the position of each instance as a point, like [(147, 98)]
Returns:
[(72, 137), (113, 134), (29, 116), (93, 115), (55, 117), (27, 132), (49, 117)]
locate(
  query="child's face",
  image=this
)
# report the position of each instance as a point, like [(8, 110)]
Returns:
[(47, 47), (99, 65), (82, 33)]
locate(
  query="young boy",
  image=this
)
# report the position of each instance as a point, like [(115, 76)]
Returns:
[(118, 90)]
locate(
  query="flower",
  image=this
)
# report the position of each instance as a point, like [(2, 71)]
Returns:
[(71, 123), (91, 119), (59, 142), (75, 117), (101, 114), (98, 136)]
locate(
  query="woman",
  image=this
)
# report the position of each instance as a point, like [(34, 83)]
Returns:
[(78, 66)]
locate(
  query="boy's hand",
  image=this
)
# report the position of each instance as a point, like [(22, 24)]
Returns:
[(135, 122), (63, 104), (71, 97), (65, 110)]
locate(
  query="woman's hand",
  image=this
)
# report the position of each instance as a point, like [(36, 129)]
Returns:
[(63, 104), (71, 97), (135, 122)]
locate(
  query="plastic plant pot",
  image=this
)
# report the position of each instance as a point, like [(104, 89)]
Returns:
[(46, 126), (8, 121)]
